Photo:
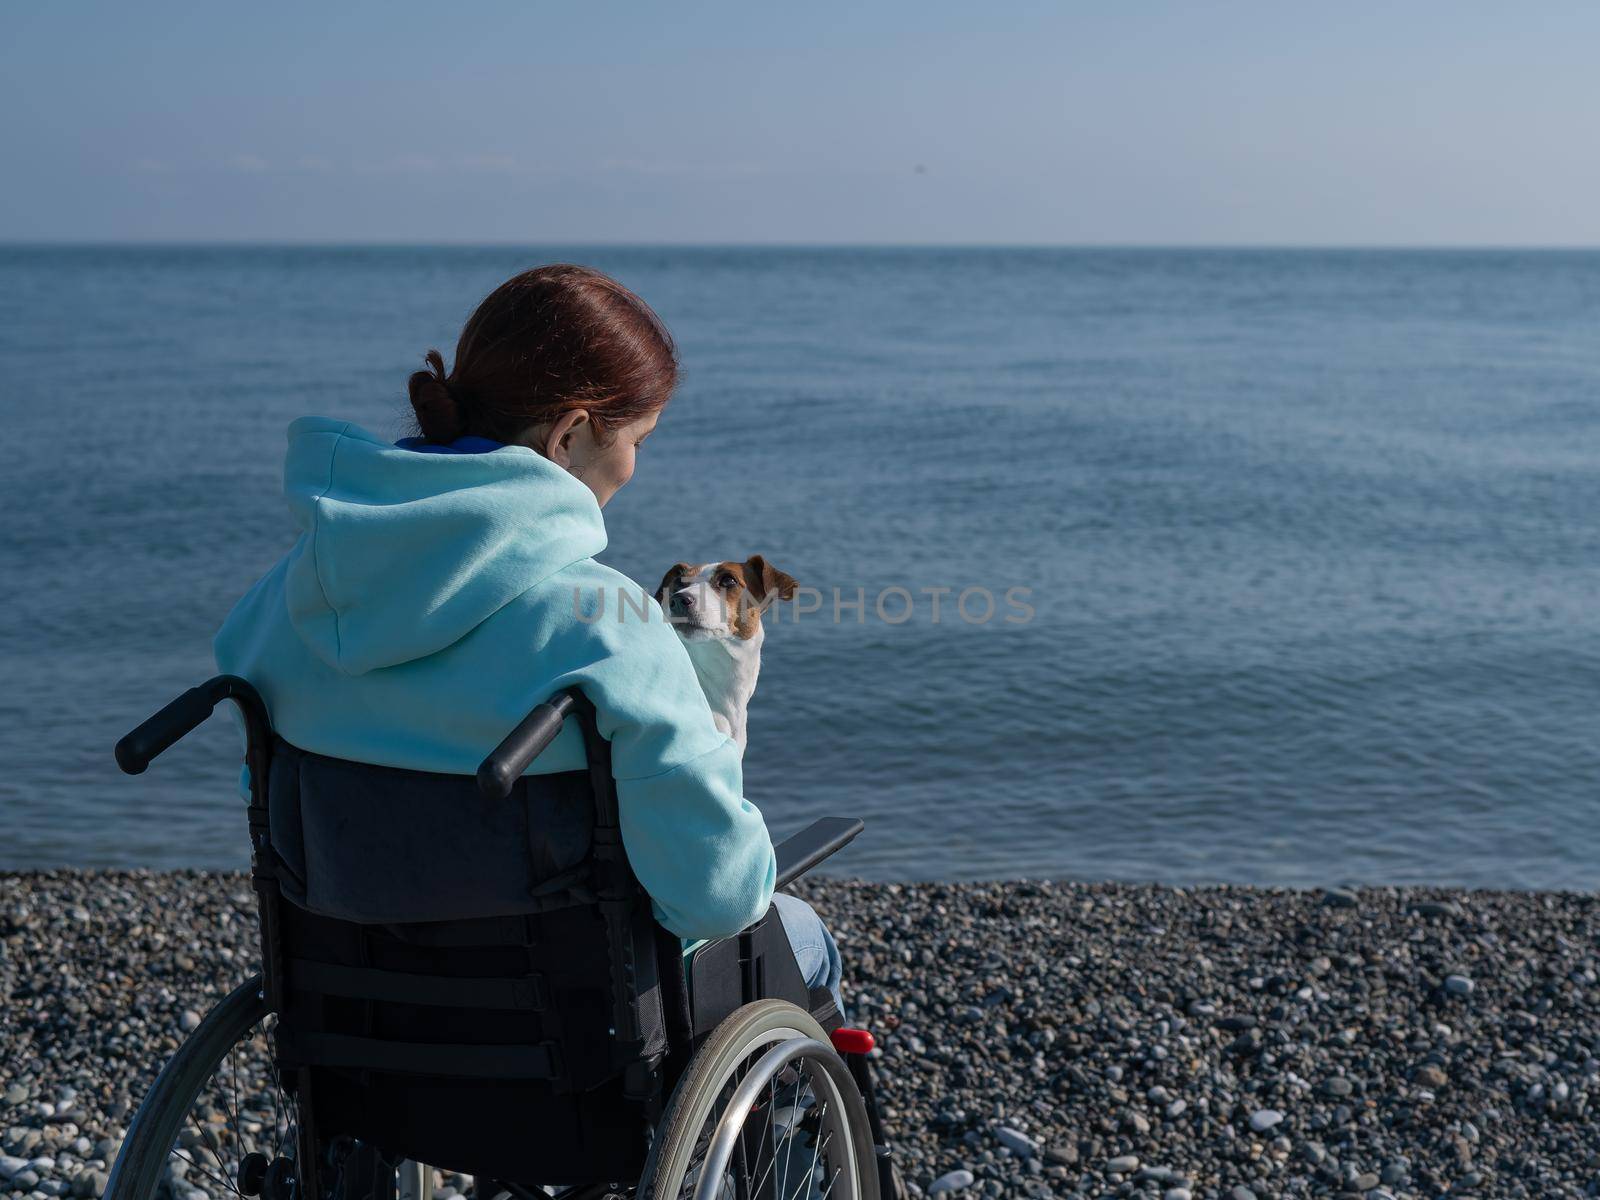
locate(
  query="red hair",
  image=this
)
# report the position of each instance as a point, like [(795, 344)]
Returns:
[(548, 340)]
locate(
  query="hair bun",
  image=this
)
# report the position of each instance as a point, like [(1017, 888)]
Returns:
[(438, 412)]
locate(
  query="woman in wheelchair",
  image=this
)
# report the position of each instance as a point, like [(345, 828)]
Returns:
[(441, 588), (555, 967)]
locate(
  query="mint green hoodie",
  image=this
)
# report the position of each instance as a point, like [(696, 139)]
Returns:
[(432, 600)]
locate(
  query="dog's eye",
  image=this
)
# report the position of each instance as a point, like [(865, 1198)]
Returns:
[(725, 580)]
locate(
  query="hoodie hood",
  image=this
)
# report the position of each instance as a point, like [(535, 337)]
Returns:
[(402, 554)]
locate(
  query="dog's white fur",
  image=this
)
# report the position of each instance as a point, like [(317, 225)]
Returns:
[(724, 643)]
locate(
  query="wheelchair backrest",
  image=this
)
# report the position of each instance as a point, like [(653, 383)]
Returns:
[(466, 981), (380, 845)]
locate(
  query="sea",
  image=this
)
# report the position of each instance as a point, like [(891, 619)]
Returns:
[(1274, 567)]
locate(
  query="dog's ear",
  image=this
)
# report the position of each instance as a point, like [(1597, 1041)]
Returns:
[(669, 581), (765, 582)]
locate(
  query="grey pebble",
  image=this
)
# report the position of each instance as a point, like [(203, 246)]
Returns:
[(1264, 1119), (1434, 908), (1459, 985), (1430, 1076), (951, 1181), (1016, 1141)]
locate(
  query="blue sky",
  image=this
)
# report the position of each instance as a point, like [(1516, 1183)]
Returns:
[(1423, 123)]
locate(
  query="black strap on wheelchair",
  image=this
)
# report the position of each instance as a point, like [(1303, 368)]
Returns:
[(470, 932), (527, 993), (542, 1061), (637, 1025), (638, 1030)]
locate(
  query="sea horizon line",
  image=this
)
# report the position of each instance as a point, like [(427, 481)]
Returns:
[(157, 243)]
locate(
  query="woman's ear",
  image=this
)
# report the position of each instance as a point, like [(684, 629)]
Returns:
[(564, 432)]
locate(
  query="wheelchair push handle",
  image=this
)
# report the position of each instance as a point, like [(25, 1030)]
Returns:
[(156, 735), (499, 773)]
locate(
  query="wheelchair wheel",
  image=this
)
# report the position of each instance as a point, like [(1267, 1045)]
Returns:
[(216, 1122), (767, 1110)]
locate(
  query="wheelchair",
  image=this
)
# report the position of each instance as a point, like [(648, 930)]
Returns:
[(463, 975)]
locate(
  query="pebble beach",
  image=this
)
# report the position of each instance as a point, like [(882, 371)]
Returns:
[(1035, 1039)]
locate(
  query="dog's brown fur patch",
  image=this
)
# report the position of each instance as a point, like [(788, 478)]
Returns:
[(752, 586)]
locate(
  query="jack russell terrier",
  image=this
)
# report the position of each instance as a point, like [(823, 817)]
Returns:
[(716, 610)]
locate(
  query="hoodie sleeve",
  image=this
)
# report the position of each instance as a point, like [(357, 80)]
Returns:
[(699, 848)]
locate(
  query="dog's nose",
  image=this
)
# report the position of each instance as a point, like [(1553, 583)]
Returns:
[(682, 604)]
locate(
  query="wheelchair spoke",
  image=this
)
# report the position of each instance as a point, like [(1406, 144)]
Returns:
[(810, 1177), (205, 1170), (202, 1143), (226, 1117), (741, 1159), (790, 1134), (277, 1112), (772, 1112), (233, 1081), (788, 1155), (808, 1180), (203, 1149)]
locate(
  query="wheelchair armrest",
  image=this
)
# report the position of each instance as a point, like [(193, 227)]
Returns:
[(799, 852), (796, 855)]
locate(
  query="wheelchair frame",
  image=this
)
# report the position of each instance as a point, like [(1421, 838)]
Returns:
[(702, 989)]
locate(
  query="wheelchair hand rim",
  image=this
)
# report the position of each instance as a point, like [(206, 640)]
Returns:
[(836, 1077)]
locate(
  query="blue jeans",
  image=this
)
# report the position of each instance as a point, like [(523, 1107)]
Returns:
[(814, 947)]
